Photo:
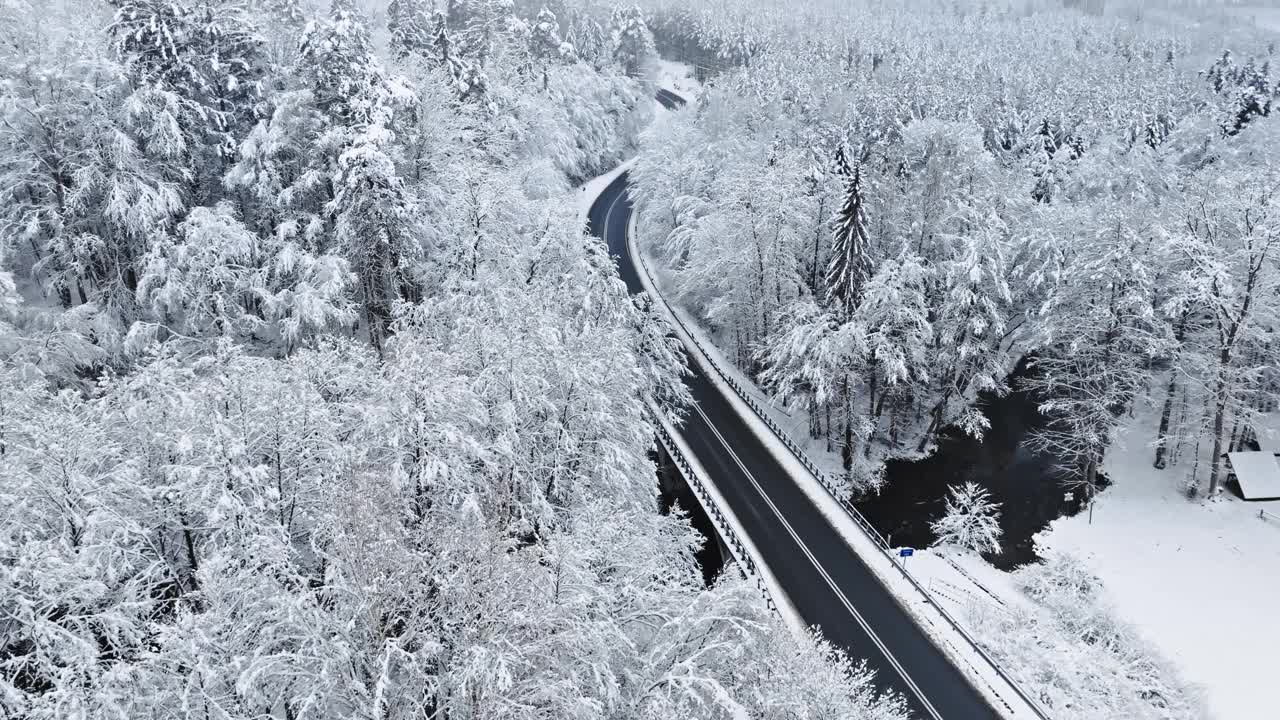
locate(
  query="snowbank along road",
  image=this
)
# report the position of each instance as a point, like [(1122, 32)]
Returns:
[(824, 579)]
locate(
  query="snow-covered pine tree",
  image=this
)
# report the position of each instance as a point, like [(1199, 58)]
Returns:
[(481, 28), (971, 520), (632, 41), (410, 26), (375, 228), (286, 164), (894, 315), (589, 39), (467, 80), (441, 44), (336, 63), (850, 263), (91, 168), (544, 39), (215, 277), (1246, 91), (289, 12), (208, 56)]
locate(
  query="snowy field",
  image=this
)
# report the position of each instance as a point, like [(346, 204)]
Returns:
[(1199, 580)]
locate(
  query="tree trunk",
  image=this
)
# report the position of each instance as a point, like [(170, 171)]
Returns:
[(1166, 414), (893, 425), (1219, 423), (871, 410), (827, 408), (846, 452), (189, 582), (817, 240), (374, 319), (935, 425)]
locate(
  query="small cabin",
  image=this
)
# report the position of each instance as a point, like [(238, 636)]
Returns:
[(1257, 473)]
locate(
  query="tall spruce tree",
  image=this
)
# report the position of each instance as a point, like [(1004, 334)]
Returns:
[(850, 264), (633, 46), (207, 54), (545, 42), (410, 27)]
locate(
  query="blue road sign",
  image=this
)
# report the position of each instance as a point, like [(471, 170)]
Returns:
[(907, 552)]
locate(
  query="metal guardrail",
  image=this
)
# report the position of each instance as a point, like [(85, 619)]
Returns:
[(740, 554), (833, 490), (1264, 515)]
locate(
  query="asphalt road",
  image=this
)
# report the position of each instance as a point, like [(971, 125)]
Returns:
[(669, 100), (824, 579)]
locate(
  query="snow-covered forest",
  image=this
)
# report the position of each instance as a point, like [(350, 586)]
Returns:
[(886, 213), (879, 209), (316, 401)]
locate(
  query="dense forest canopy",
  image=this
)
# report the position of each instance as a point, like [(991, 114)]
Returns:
[(316, 401), (881, 215)]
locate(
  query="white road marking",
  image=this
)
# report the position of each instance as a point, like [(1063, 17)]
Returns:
[(604, 231), (915, 689), (822, 571)]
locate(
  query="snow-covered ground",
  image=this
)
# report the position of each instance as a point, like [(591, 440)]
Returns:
[(1200, 580)]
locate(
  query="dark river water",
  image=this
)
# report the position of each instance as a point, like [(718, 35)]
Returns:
[(673, 492), (1026, 484)]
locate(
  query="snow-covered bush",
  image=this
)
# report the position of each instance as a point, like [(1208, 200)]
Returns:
[(971, 520), (1076, 657)]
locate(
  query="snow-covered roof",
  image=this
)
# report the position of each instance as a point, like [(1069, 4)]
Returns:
[(1258, 474)]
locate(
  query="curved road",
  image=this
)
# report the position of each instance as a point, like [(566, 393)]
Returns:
[(824, 579)]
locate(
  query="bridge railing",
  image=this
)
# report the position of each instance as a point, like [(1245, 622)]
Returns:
[(835, 490), (723, 527)]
